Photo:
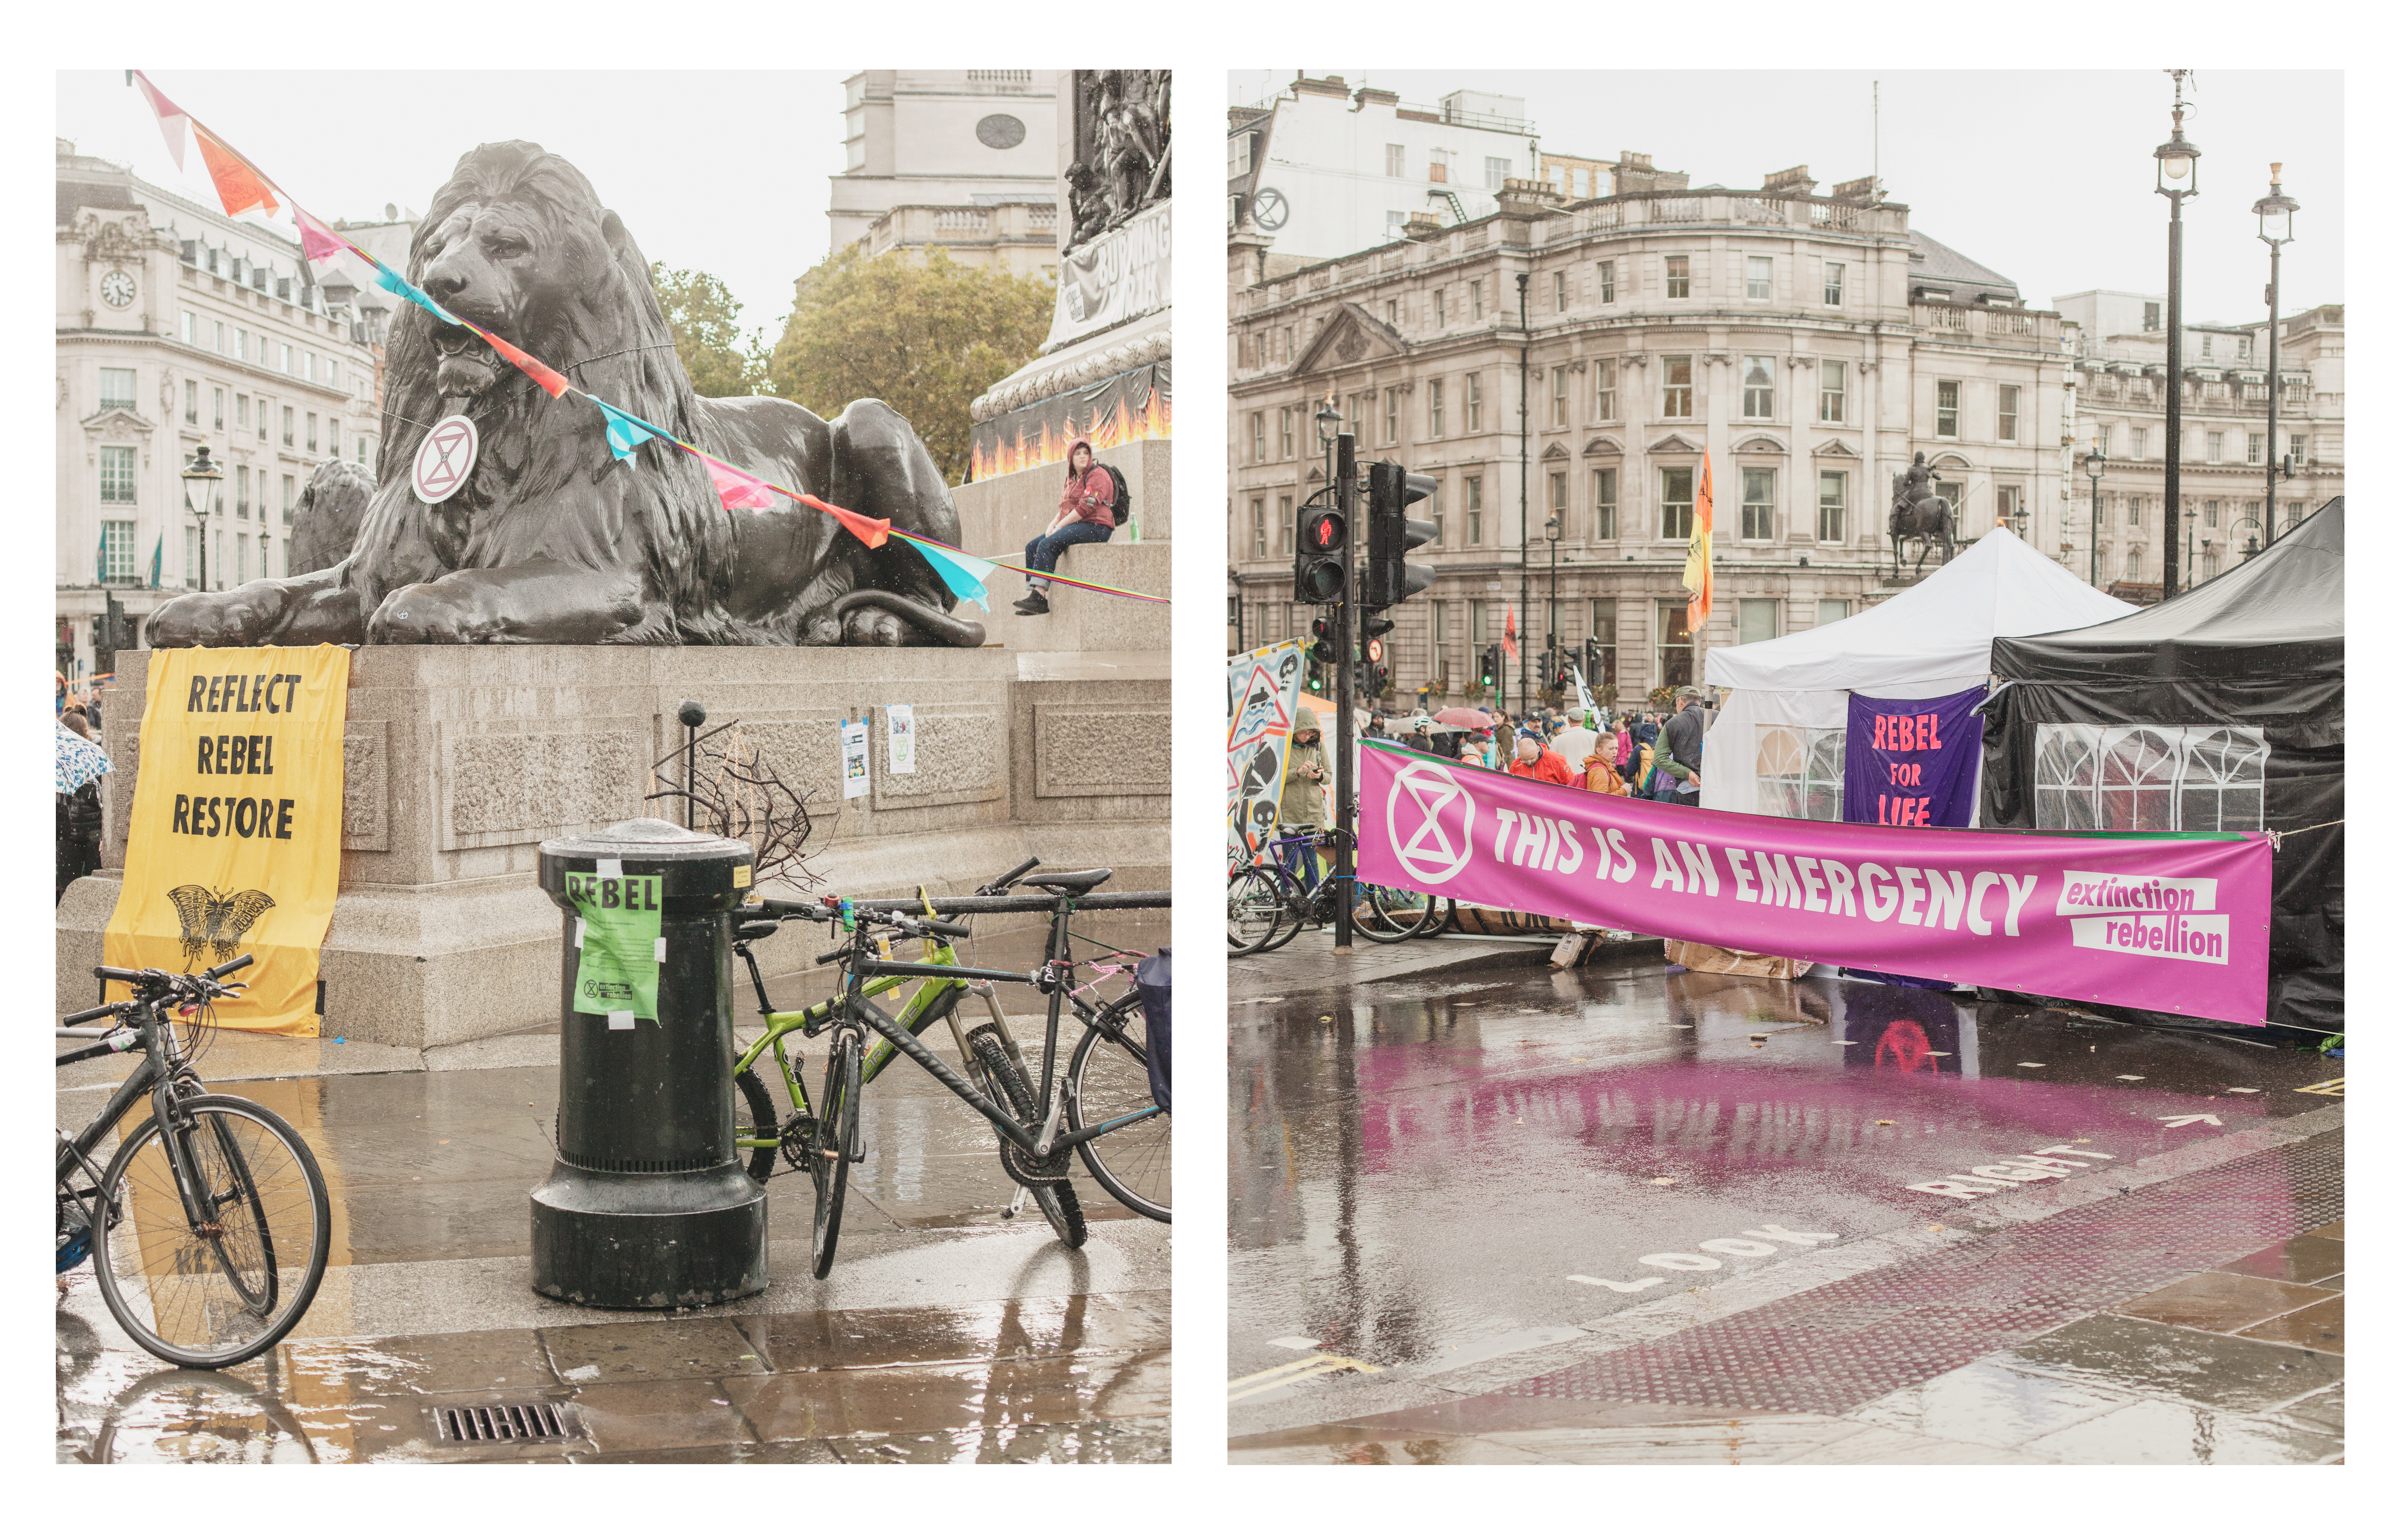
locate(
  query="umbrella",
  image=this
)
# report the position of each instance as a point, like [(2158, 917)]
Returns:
[(1431, 726), (79, 761), (1465, 718)]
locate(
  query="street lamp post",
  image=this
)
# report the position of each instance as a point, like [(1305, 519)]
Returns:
[(201, 479), (2178, 178), (2095, 464), (2274, 227), (1551, 532), (1524, 483), (2191, 538)]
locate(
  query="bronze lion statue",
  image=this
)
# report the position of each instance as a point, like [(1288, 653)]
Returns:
[(326, 523), (554, 540)]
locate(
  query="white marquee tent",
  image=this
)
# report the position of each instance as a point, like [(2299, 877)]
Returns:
[(1776, 748)]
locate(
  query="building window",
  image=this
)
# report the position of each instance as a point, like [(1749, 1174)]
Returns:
[(2101, 436), (1475, 299), (308, 366), (2008, 412), (241, 345), (1832, 610), (2291, 515), (2091, 777), (191, 556), (1833, 383), (1495, 172), (217, 327), (1604, 636), (241, 411), (241, 493), (1440, 307), (191, 328), (287, 502), (1474, 403), (1391, 312), (1433, 510), (2133, 564), (2208, 347), (1833, 495), (191, 403), (1761, 618), (1758, 504), (2141, 443), (2133, 511), (2208, 513), (1437, 665), (1258, 436), (1608, 282), (1258, 527), (287, 362), (1761, 285), (116, 551), (1833, 284), (1604, 503), (1283, 429), (1677, 403), (1283, 524), (287, 426), (1474, 508), (1679, 276), (2215, 442), (241, 552), (2258, 448), (2149, 316), (116, 388), (1479, 627), (312, 431), (2012, 505), (1604, 389), (2299, 451), (1675, 643), (1395, 159), (116, 475), (1433, 407), (1675, 504), (1558, 396), (2209, 565), (1391, 415), (1945, 408), (219, 395), (1758, 387)]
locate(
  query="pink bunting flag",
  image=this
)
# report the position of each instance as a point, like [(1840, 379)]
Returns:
[(317, 242), (739, 491), (171, 118)]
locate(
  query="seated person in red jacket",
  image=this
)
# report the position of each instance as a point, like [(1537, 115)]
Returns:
[(1539, 762), (1083, 517)]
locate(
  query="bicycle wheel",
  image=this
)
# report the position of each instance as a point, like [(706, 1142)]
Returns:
[(833, 1146), (757, 1132), (1373, 921), (1299, 909), (1060, 1205), (211, 1296), (1108, 1077), (1253, 910), (1411, 913)]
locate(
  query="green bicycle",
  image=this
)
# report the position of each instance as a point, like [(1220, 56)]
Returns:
[(1106, 1091)]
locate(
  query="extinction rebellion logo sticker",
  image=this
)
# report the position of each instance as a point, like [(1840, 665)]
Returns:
[(1427, 816), (2157, 918)]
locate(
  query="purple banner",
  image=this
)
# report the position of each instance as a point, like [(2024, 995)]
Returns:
[(2176, 925), (1911, 761)]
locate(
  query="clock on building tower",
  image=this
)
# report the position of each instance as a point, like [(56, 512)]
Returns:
[(117, 289)]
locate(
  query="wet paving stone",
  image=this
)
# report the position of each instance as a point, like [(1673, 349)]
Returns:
[(844, 1404), (2305, 1259), (2220, 1302), (2167, 1433), (1990, 1404), (444, 1363), (622, 1352), (913, 1335), (2226, 1374), (661, 1414), (1136, 1441), (2318, 1326)]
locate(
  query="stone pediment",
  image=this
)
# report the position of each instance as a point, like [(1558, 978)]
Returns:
[(1948, 461), (1760, 444), (118, 424), (1833, 449), (1350, 337), (1555, 451), (1674, 442), (1600, 446)]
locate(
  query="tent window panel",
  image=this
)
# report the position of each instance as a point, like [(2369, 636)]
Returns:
[(2149, 778), (2066, 761), (1800, 772), (2223, 784), (2137, 779)]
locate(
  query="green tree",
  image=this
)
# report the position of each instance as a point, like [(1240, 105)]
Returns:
[(705, 317), (924, 336)]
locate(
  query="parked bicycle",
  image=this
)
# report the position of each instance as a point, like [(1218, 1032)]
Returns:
[(1104, 1109), (1284, 887), (210, 1226)]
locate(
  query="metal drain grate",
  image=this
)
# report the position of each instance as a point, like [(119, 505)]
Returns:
[(1830, 1349), (534, 1421)]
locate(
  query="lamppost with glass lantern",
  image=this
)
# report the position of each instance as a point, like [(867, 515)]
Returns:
[(2275, 228), (2191, 540), (2095, 464), (1552, 530), (202, 478), (2178, 178)]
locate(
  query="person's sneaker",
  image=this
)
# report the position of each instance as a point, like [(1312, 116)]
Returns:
[(1034, 606)]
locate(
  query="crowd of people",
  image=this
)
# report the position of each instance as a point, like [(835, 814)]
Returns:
[(1641, 754), (79, 767)]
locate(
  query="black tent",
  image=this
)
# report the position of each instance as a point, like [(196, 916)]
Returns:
[(2175, 703)]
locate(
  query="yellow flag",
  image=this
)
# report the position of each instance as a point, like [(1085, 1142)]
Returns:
[(235, 844), (1698, 574)]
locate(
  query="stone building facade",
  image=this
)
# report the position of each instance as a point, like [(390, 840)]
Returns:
[(2120, 378), (957, 160), (1804, 347), (177, 326)]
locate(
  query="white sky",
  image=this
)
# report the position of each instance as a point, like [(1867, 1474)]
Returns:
[(699, 174), (2044, 176)]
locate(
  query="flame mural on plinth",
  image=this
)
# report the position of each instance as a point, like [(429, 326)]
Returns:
[(1127, 407)]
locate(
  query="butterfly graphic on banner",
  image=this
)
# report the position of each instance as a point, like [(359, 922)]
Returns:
[(216, 921)]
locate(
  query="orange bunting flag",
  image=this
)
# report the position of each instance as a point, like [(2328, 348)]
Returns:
[(551, 380), (239, 187), (871, 531), (1699, 574)]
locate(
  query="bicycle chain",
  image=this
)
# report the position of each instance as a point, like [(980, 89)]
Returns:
[(798, 1131)]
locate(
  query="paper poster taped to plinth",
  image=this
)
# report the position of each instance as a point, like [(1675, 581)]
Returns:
[(1262, 691), (900, 737), (235, 841), (854, 758)]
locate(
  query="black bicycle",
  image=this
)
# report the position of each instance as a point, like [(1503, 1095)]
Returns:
[(210, 1227)]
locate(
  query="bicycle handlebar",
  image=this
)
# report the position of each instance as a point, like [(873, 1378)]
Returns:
[(1000, 885), (222, 970), (72, 1018)]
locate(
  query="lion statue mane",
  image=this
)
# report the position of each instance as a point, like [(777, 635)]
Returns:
[(554, 540)]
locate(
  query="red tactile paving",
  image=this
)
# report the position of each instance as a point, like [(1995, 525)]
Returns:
[(1850, 1341)]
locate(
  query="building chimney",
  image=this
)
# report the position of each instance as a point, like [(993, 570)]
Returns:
[(1423, 224), (1520, 198), (1796, 182), (1369, 96), (1865, 189)]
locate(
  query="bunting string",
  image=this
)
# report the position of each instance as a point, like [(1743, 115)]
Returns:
[(242, 186)]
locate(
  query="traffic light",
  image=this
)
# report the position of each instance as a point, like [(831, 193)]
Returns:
[(1595, 675), (1321, 650), (1374, 676), (1321, 566), (1488, 670), (1391, 533)]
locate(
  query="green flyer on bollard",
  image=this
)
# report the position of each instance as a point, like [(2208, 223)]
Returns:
[(617, 931)]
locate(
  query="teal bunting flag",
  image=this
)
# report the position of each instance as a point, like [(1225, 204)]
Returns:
[(385, 277), (964, 574), (625, 432), (158, 559)]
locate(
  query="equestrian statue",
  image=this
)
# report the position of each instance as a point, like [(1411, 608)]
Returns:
[(1920, 514)]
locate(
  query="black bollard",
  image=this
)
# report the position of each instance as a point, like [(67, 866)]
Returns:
[(648, 1207)]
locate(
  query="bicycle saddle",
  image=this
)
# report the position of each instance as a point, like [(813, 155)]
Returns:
[(1077, 883)]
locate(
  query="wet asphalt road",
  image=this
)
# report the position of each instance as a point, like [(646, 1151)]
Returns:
[(1434, 1173), (946, 1331)]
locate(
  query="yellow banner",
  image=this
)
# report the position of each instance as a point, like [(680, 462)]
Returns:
[(235, 845)]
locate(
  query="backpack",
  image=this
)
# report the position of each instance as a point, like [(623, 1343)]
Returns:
[(1120, 506)]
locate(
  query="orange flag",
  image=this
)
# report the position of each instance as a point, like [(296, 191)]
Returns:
[(871, 531), (532, 367), (1698, 574), (238, 186)]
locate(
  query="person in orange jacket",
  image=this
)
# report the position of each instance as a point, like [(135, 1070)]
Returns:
[(1539, 762), (1600, 769)]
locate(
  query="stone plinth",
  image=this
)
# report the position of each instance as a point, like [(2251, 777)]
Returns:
[(460, 760), (998, 516)]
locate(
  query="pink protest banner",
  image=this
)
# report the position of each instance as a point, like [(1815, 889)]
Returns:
[(2175, 925)]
